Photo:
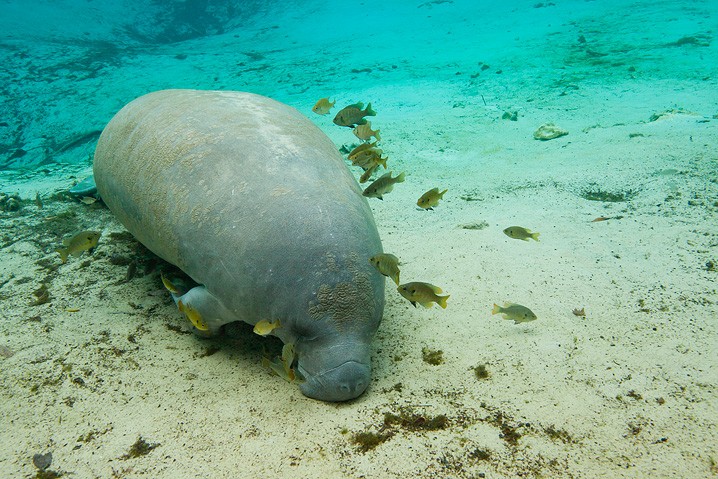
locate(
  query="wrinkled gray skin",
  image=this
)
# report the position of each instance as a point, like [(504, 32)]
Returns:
[(255, 204)]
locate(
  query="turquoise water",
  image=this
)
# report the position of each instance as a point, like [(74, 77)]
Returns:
[(95, 355)]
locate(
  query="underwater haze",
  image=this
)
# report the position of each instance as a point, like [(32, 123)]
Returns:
[(577, 238)]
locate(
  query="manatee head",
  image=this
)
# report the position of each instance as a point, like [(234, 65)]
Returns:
[(334, 348), (334, 370)]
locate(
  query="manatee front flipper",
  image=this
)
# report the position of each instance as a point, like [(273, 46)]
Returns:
[(206, 313), (86, 187)]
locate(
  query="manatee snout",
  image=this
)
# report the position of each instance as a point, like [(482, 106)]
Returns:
[(334, 372), (342, 383)]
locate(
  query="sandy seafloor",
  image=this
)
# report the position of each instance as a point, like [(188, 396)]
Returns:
[(629, 390)]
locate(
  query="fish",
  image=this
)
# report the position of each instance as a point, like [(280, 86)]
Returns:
[(515, 312), (322, 106), (282, 365), (88, 200), (369, 158), (265, 327), (367, 174), (359, 149), (387, 264), (366, 155), (382, 186), (364, 132), (83, 241), (193, 315), (423, 293), (364, 152), (606, 218), (353, 115), (169, 285), (430, 199), (517, 232)]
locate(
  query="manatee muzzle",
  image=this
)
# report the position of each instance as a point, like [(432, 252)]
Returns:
[(341, 383)]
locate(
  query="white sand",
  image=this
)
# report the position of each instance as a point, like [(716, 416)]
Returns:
[(627, 391)]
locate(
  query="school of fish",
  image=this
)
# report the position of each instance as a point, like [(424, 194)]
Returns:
[(368, 156)]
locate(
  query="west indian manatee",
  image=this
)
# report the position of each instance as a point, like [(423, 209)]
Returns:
[(256, 205)]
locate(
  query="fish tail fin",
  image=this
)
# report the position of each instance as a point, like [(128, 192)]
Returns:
[(496, 310), (401, 177), (382, 162), (441, 195), (369, 111), (442, 301), (63, 254), (377, 136), (535, 236)]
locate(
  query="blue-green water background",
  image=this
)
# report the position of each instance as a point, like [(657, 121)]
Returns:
[(68, 66)]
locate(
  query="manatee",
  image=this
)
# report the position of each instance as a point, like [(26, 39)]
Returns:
[(254, 203)]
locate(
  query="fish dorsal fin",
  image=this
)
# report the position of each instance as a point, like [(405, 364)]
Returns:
[(358, 105)]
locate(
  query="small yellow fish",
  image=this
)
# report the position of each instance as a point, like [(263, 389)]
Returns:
[(360, 150), (168, 284), (353, 115), (193, 315), (382, 186), (323, 106), (265, 327), (387, 264), (430, 199), (282, 366), (517, 232), (423, 293), (368, 158), (516, 312), (367, 174), (364, 132), (88, 200), (83, 241)]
